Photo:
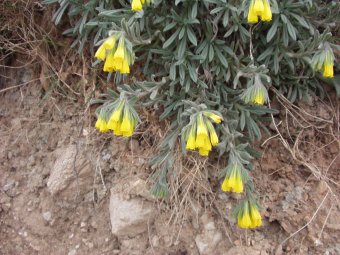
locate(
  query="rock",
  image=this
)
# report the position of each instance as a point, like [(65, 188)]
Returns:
[(62, 180), (129, 217), (47, 216), (72, 252), (9, 185), (210, 237)]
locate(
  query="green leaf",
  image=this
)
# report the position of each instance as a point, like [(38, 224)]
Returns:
[(272, 31), (171, 39)]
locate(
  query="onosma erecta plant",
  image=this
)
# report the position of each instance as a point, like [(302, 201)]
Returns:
[(209, 65)]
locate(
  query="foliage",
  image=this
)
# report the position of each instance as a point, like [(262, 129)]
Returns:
[(203, 56)]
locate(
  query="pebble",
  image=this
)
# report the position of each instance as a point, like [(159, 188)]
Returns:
[(72, 252), (47, 216), (9, 185)]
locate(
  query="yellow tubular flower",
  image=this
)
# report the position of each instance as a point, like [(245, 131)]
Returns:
[(214, 117), (267, 13), (191, 141), (233, 182), (108, 44), (212, 133), (109, 63), (125, 68), (328, 71), (127, 126), (255, 216), (259, 97), (258, 7), (101, 53), (118, 131), (243, 218), (136, 5), (118, 57), (252, 16), (101, 125), (202, 133)]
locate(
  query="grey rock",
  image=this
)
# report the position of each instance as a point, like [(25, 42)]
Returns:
[(129, 217), (47, 216), (63, 177)]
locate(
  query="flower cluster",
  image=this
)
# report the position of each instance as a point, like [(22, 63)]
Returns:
[(116, 58), (259, 9), (202, 134), (234, 180), (137, 5), (120, 118), (248, 215)]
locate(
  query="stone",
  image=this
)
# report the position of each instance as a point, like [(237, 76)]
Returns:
[(129, 217), (47, 216), (72, 252), (63, 181), (210, 237)]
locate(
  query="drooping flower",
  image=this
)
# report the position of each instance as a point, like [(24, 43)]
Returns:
[(248, 215), (233, 180), (216, 118), (108, 44), (328, 64), (323, 61), (136, 5), (243, 217), (259, 9), (255, 94), (191, 141), (117, 58), (255, 215), (267, 13), (202, 134), (122, 120), (101, 123)]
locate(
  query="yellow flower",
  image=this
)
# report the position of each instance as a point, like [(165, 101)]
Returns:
[(243, 218), (214, 117), (258, 7), (119, 55), (202, 132), (136, 5), (252, 16), (191, 141), (267, 13), (122, 121), (109, 63), (127, 126), (101, 53), (328, 71), (101, 125), (125, 68), (233, 182), (259, 97), (115, 117), (108, 44), (255, 216), (212, 133)]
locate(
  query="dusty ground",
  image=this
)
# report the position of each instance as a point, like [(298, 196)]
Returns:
[(66, 189)]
